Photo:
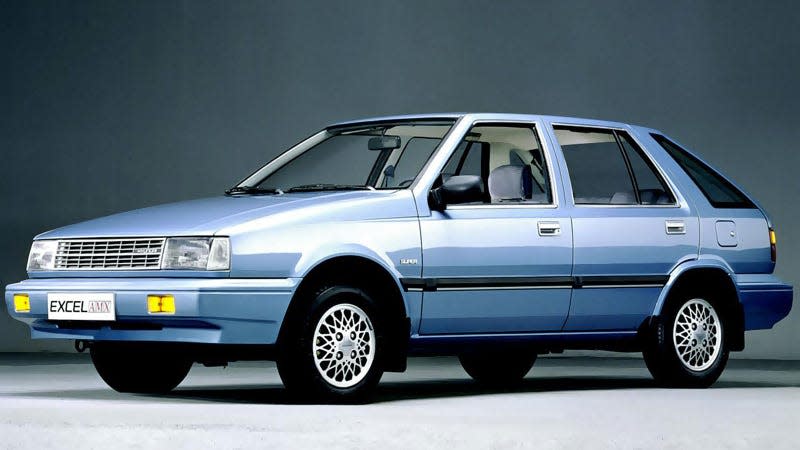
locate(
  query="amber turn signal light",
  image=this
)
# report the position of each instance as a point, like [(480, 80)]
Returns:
[(773, 245), (22, 303), (161, 304)]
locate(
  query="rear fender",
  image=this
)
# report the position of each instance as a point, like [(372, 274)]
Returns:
[(711, 262)]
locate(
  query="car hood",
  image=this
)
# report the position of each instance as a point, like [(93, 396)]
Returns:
[(209, 216)]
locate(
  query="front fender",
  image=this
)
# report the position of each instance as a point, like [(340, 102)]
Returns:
[(393, 245), (291, 252), (381, 256)]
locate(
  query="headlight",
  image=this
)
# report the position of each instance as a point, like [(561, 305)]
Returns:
[(197, 254), (42, 255)]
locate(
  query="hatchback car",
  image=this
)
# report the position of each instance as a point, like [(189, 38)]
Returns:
[(494, 237)]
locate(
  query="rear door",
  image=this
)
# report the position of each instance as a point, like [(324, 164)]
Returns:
[(501, 265), (629, 225)]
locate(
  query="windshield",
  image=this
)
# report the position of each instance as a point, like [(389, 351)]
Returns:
[(378, 156)]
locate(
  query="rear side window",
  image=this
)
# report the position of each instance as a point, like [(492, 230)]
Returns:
[(719, 191), (596, 166), (651, 187), (607, 167)]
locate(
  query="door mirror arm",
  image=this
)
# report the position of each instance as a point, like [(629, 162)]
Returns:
[(454, 190)]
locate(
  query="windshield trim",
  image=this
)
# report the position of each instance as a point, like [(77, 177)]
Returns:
[(380, 123), (455, 116)]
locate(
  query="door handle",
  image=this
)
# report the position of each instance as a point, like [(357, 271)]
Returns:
[(676, 227), (549, 228)]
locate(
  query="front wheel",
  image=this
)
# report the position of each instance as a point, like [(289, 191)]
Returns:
[(689, 348), (334, 353), (139, 369)]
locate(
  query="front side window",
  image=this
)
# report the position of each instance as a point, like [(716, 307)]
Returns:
[(607, 167), (508, 158), (720, 192), (375, 156)]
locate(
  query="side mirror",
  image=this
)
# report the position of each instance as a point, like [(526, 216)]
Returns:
[(384, 143), (456, 189)]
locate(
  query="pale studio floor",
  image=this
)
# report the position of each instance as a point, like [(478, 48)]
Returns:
[(566, 402)]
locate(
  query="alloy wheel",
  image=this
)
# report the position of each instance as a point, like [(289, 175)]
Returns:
[(697, 335), (344, 345)]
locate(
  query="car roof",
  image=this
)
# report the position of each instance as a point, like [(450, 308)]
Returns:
[(483, 116)]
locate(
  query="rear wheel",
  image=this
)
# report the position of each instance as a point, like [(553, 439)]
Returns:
[(689, 347), (497, 368), (334, 352), (139, 369)]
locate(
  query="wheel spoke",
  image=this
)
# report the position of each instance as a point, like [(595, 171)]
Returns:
[(695, 335), (343, 347)]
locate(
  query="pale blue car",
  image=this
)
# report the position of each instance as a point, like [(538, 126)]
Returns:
[(494, 237)]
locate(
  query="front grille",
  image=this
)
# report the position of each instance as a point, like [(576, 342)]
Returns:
[(111, 254)]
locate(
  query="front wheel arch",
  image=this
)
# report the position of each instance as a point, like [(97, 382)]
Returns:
[(364, 273)]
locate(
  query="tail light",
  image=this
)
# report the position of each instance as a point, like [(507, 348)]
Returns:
[(773, 248)]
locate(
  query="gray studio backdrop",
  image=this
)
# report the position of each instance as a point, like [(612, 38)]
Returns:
[(110, 106)]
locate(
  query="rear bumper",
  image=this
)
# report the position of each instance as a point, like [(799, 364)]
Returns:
[(208, 310), (765, 300)]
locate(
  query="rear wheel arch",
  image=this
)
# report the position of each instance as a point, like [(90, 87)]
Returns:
[(716, 283), (364, 273)]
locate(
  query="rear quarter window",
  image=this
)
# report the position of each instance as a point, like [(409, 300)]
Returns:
[(720, 192)]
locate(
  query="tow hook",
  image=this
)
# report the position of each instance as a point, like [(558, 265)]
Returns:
[(81, 346)]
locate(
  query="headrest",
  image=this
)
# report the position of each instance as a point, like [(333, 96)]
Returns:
[(510, 183), (623, 198)]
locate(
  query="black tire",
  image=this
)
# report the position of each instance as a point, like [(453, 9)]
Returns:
[(497, 368), (139, 368), (661, 352), (305, 375)]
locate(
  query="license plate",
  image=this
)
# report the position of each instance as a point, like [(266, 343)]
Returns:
[(81, 306)]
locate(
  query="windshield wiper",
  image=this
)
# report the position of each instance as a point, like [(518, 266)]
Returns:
[(253, 190), (330, 187)]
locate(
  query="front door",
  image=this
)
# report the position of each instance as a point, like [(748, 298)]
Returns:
[(501, 265)]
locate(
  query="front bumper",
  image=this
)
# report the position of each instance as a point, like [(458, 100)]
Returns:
[(765, 299), (208, 310)]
